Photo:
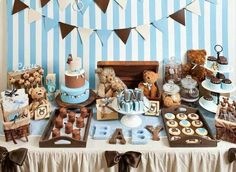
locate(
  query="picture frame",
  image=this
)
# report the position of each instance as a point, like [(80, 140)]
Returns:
[(154, 109)]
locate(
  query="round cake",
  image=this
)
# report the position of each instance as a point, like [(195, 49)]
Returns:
[(76, 88), (226, 84)]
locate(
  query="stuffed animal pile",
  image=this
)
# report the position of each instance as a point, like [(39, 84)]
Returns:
[(110, 85)]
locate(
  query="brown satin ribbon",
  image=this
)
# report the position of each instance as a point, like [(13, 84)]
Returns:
[(10, 160), (124, 161), (232, 154)]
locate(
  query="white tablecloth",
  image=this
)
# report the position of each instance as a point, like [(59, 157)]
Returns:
[(156, 157)]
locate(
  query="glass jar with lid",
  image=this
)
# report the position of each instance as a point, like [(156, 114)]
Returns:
[(189, 91), (171, 96), (173, 71)]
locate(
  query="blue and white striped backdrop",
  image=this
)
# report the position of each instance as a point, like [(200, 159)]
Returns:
[(30, 44)]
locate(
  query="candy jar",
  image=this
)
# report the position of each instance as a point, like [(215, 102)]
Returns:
[(189, 91), (173, 71), (171, 96)]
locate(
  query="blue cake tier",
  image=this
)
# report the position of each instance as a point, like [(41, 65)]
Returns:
[(75, 95)]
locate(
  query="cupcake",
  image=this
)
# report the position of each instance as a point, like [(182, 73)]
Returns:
[(215, 97), (226, 84), (221, 76), (210, 61), (208, 78), (207, 100), (222, 63), (215, 83)]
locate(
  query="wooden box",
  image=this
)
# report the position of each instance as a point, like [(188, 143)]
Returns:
[(130, 72)]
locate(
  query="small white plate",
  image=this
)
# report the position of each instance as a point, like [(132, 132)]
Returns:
[(212, 108)]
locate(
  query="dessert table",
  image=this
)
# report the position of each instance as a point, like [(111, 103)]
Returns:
[(156, 156)]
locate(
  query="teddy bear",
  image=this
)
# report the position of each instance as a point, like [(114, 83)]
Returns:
[(38, 96), (194, 66), (149, 86), (26, 75), (108, 82)]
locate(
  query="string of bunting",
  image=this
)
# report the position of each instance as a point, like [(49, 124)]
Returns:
[(123, 34)]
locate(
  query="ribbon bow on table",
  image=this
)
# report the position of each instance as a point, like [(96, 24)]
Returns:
[(124, 161), (232, 154), (11, 93), (10, 160)]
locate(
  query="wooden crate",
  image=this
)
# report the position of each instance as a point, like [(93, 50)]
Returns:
[(130, 72)]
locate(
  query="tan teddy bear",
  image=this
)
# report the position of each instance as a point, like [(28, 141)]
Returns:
[(38, 96), (108, 82), (149, 86)]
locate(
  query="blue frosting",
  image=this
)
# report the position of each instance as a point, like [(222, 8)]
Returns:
[(75, 95)]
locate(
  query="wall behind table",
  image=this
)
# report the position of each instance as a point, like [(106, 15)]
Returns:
[(30, 44)]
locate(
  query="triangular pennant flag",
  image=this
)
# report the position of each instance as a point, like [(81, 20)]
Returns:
[(179, 16), (33, 16), (84, 34), (18, 6), (63, 4), (44, 2), (102, 4), (161, 24), (65, 29), (194, 7), (144, 31), (103, 35), (123, 34), (122, 3), (49, 23)]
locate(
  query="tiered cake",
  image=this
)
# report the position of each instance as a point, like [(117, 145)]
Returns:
[(76, 88)]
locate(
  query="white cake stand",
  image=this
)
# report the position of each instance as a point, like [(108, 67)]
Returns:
[(131, 119)]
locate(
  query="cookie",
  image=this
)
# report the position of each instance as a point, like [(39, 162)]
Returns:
[(197, 123), (181, 116), (184, 123), (174, 131), (169, 116), (188, 131), (192, 141), (201, 131), (193, 116), (172, 123), (174, 138)]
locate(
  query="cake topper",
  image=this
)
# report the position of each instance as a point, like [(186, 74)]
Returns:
[(73, 64)]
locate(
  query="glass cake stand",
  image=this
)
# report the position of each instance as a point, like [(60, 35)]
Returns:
[(131, 119)]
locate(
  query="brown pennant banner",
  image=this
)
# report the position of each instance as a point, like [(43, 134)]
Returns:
[(65, 29), (102, 4), (179, 16), (44, 2), (123, 34), (18, 6)]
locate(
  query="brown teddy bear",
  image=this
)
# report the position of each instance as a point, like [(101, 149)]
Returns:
[(108, 82), (194, 66), (149, 86), (38, 96)]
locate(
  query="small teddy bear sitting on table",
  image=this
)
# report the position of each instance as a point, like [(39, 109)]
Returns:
[(109, 84), (149, 86)]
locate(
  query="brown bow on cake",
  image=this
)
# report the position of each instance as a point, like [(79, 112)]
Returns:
[(10, 160), (124, 161), (232, 154)]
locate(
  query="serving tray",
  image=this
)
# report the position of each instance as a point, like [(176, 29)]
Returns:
[(186, 140), (64, 140)]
